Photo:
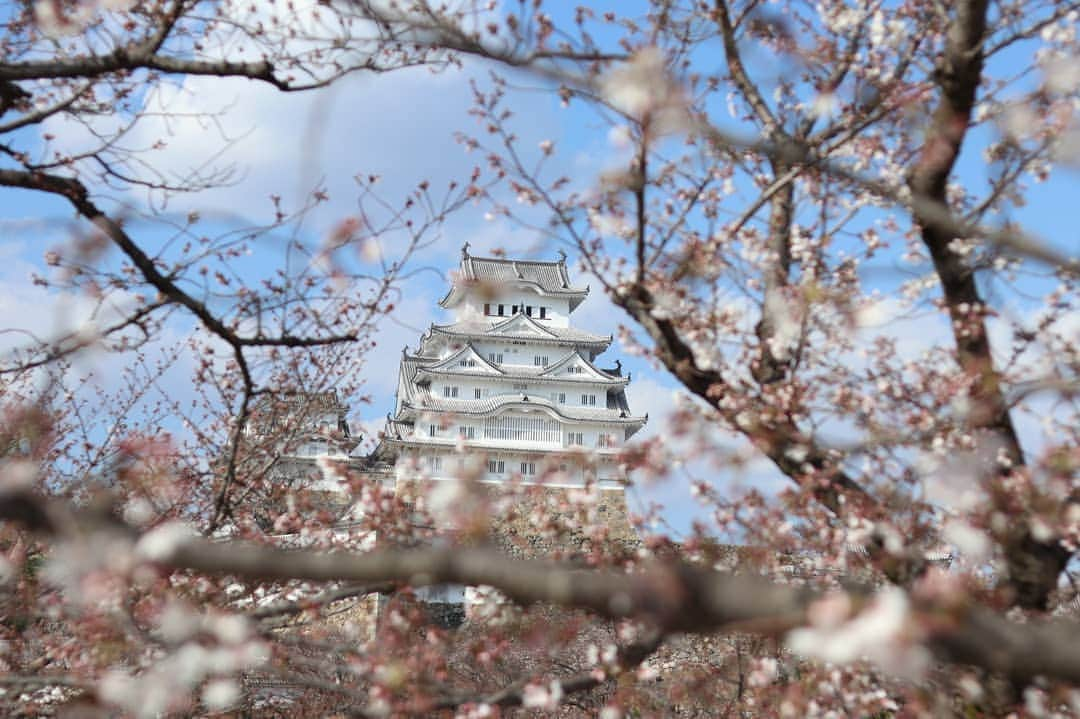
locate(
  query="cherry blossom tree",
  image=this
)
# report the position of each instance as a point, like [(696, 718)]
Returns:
[(822, 222)]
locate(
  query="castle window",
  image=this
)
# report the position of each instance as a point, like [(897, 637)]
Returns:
[(523, 429), (528, 310), (495, 357), (573, 369), (543, 313), (502, 310), (540, 361), (514, 309), (575, 439), (521, 387), (476, 393), (435, 463), (467, 363), (588, 400), (450, 391), (496, 466), (528, 468), (434, 430), (487, 308), (605, 440), (467, 432)]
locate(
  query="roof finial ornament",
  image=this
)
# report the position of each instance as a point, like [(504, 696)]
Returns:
[(618, 366), (562, 255), (465, 251)]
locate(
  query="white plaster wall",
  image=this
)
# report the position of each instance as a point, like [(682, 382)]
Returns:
[(558, 308)]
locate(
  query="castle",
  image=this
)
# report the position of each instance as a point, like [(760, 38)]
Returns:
[(511, 378), (509, 394)]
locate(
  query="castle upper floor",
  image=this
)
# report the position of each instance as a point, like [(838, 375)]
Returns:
[(495, 289)]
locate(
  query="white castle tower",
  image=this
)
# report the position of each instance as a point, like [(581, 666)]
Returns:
[(512, 381)]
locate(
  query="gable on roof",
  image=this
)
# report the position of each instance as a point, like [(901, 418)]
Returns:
[(465, 361), (521, 324), (575, 366)]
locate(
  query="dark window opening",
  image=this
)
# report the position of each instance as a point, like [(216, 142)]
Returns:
[(543, 313), (502, 310), (446, 615)]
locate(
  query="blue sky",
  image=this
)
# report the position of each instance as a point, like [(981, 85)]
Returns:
[(401, 127)]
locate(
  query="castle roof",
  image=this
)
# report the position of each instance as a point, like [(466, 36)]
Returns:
[(293, 417), (519, 327), (546, 278), (300, 401), (500, 403), (449, 367)]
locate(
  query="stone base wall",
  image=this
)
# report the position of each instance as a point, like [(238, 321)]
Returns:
[(534, 521)]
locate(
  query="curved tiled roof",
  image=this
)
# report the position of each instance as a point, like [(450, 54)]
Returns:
[(407, 373), (521, 372), (493, 405), (473, 329), (396, 429), (549, 278), (416, 368)]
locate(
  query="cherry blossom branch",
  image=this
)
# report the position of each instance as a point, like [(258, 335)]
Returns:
[(927, 209), (740, 76), (794, 453), (43, 113), (958, 80), (45, 680), (144, 56), (441, 29), (1034, 566), (674, 597), (776, 311), (74, 342), (79, 197), (627, 658), (330, 596), (670, 596), (777, 435)]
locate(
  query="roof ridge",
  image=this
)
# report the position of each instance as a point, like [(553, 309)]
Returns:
[(511, 260)]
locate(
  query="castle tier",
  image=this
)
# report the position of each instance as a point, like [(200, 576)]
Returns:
[(512, 381)]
